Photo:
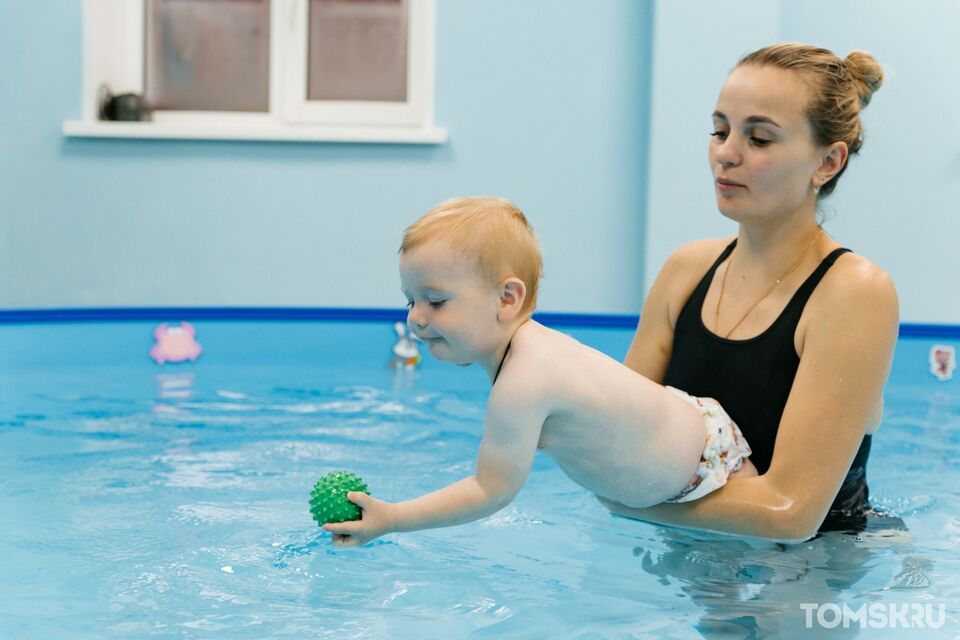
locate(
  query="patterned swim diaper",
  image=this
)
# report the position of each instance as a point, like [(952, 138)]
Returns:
[(723, 454)]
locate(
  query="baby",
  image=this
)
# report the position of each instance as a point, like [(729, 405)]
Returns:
[(469, 270)]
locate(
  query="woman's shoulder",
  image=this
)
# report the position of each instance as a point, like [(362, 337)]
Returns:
[(678, 277), (855, 286), (696, 257), (855, 277)]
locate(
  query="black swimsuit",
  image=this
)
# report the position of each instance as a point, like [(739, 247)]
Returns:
[(752, 379), (502, 359)]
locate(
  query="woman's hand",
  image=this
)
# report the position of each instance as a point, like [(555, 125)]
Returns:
[(376, 519)]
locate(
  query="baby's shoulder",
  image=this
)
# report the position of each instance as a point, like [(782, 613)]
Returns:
[(525, 390), (541, 360)]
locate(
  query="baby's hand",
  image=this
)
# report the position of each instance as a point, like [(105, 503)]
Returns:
[(376, 520)]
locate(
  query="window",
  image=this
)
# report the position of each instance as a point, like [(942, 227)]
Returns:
[(350, 70), (207, 55)]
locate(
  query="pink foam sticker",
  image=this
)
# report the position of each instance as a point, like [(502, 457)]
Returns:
[(943, 361), (175, 343)]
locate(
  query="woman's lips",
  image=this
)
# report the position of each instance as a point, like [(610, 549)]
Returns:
[(726, 186)]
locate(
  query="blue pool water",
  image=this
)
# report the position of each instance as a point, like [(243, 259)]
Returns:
[(145, 501)]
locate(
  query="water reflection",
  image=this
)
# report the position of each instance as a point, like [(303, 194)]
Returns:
[(754, 589), (176, 386)]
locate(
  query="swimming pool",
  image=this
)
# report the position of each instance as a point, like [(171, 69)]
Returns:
[(146, 501)]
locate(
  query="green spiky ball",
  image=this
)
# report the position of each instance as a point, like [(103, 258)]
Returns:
[(328, 500)]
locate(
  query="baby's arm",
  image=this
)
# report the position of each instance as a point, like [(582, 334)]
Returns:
[(511, 433)]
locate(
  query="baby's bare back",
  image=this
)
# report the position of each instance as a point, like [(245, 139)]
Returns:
[(610, 429)]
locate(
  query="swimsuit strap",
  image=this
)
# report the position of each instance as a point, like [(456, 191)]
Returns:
[(723, 256), (500, 366)]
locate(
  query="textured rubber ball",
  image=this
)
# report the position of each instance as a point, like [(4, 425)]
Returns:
[(328, 500)]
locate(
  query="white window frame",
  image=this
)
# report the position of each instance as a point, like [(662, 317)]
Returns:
[(113, 55)]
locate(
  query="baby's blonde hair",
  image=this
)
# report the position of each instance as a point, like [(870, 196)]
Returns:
[(492, 232)]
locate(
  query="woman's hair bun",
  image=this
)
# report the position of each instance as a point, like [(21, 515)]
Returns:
[(866, 73)]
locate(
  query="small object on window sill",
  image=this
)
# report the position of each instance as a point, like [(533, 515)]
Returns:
[(123, 107)]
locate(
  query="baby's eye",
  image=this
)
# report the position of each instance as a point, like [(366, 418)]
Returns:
[(436, 304), (409, 304)]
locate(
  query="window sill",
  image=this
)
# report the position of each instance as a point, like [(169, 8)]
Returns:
[(264, 132)]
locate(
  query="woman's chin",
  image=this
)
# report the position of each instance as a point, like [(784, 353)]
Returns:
[(728, 210)]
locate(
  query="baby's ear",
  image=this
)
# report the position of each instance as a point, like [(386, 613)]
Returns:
[(512, 294)]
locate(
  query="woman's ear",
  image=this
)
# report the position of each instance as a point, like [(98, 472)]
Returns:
[(512, 294), (832, 163)]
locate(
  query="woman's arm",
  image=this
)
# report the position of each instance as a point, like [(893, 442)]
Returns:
[(850, 329), (652, 344)]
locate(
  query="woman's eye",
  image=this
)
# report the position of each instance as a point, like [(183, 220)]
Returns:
[(760, 142), (719, 135)]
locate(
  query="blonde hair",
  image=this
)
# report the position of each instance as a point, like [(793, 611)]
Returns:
[(840, 89), (492, 232)]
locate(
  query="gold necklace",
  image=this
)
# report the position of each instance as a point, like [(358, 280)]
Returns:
[(790, 269)]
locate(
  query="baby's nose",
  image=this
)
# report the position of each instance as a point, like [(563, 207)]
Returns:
[(416, 321)]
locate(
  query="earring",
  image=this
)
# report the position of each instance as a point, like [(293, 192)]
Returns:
[(816, 188)]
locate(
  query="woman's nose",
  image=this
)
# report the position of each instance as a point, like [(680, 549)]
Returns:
[(727, 154)]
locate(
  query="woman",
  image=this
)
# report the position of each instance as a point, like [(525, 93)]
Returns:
[(793, 334)]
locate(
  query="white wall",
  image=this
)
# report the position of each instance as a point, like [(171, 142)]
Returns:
[(899, 201)]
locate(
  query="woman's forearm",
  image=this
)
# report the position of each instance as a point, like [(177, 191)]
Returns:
[(744, 506)]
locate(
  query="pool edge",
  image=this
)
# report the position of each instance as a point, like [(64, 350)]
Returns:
[(344, 314)]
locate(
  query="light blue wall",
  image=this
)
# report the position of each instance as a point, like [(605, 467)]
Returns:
[(899, 202), (545, 102)]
